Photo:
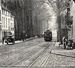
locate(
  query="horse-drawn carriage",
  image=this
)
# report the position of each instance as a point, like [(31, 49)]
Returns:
[(10, 39)]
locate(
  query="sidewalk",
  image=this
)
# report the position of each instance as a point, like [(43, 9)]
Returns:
[(59, 50), (5, 43), (19, 41)]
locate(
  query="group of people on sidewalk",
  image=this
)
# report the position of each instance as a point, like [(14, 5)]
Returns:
[(67, 43)]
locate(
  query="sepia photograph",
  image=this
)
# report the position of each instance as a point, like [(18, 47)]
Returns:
[(37, 33)]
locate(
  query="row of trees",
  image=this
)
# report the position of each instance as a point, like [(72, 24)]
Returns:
[(61, 6), (22, 10), (42, 13), (58, 7), (30, 13)]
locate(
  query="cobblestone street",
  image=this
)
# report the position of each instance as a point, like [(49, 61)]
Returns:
[(37, 34), (36, 53)]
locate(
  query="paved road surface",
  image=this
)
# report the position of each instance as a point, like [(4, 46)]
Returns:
[(34, 53), (23, 53)]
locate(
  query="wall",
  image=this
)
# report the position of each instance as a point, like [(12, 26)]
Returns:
[(0, 23), (7, 20), (73, 14)]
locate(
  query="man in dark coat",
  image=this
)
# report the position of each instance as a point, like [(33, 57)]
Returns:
[(22, 36), (3, 40)]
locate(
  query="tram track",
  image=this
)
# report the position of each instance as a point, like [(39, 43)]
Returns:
[(26, 52), (33, 55), (43, 58)]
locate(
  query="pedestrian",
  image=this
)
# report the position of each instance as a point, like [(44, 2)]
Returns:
[(22, 36), (64, 42), (26, 36), (3, 40)]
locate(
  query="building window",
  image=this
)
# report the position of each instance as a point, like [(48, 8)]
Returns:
[(3, 22), (6, 23), (7, 13), (3, 12)]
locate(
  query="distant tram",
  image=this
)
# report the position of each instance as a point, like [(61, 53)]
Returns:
[(48, 35)]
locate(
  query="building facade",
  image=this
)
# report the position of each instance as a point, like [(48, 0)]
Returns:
[(73, 14), (6, 23), (0, 23), (7, 20), (66, 21)]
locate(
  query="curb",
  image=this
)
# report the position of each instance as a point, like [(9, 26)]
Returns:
[(64, 54), (16, 42)]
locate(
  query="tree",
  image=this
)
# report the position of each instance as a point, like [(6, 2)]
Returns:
[(59, 6), (22, 9)]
